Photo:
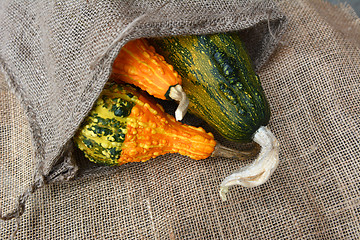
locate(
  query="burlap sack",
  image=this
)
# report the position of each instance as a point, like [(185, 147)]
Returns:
[(312, 82), (57, 57)]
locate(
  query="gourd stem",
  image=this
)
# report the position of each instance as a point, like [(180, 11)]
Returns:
[(259, 171), (177, 93), (222, 151)]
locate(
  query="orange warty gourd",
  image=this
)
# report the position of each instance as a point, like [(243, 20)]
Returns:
[(138, 63), (127, 126)]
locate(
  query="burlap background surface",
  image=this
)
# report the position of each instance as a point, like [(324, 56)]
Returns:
[(57, 56), (312, 83)]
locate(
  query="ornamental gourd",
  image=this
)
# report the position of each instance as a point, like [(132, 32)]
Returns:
[(223, 90), (138, 63), (125, 125)]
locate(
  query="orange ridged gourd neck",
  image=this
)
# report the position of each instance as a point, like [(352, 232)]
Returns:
[(137, 63), (152, 132)]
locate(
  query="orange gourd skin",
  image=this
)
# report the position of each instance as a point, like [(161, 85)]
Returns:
[(152, 132), (125, 126), (137, 63)]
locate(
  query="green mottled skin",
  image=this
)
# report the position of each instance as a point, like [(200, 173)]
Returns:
[(102, 133), (219, 81)]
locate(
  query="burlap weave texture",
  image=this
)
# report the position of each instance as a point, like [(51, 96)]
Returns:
[(312, 83), (57, 56)]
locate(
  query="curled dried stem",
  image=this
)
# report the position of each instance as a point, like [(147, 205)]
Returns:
[(259, 171)]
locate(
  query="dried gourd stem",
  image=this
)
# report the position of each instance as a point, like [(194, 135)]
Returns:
[(261, 169), (222, 151), (177, 93)]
